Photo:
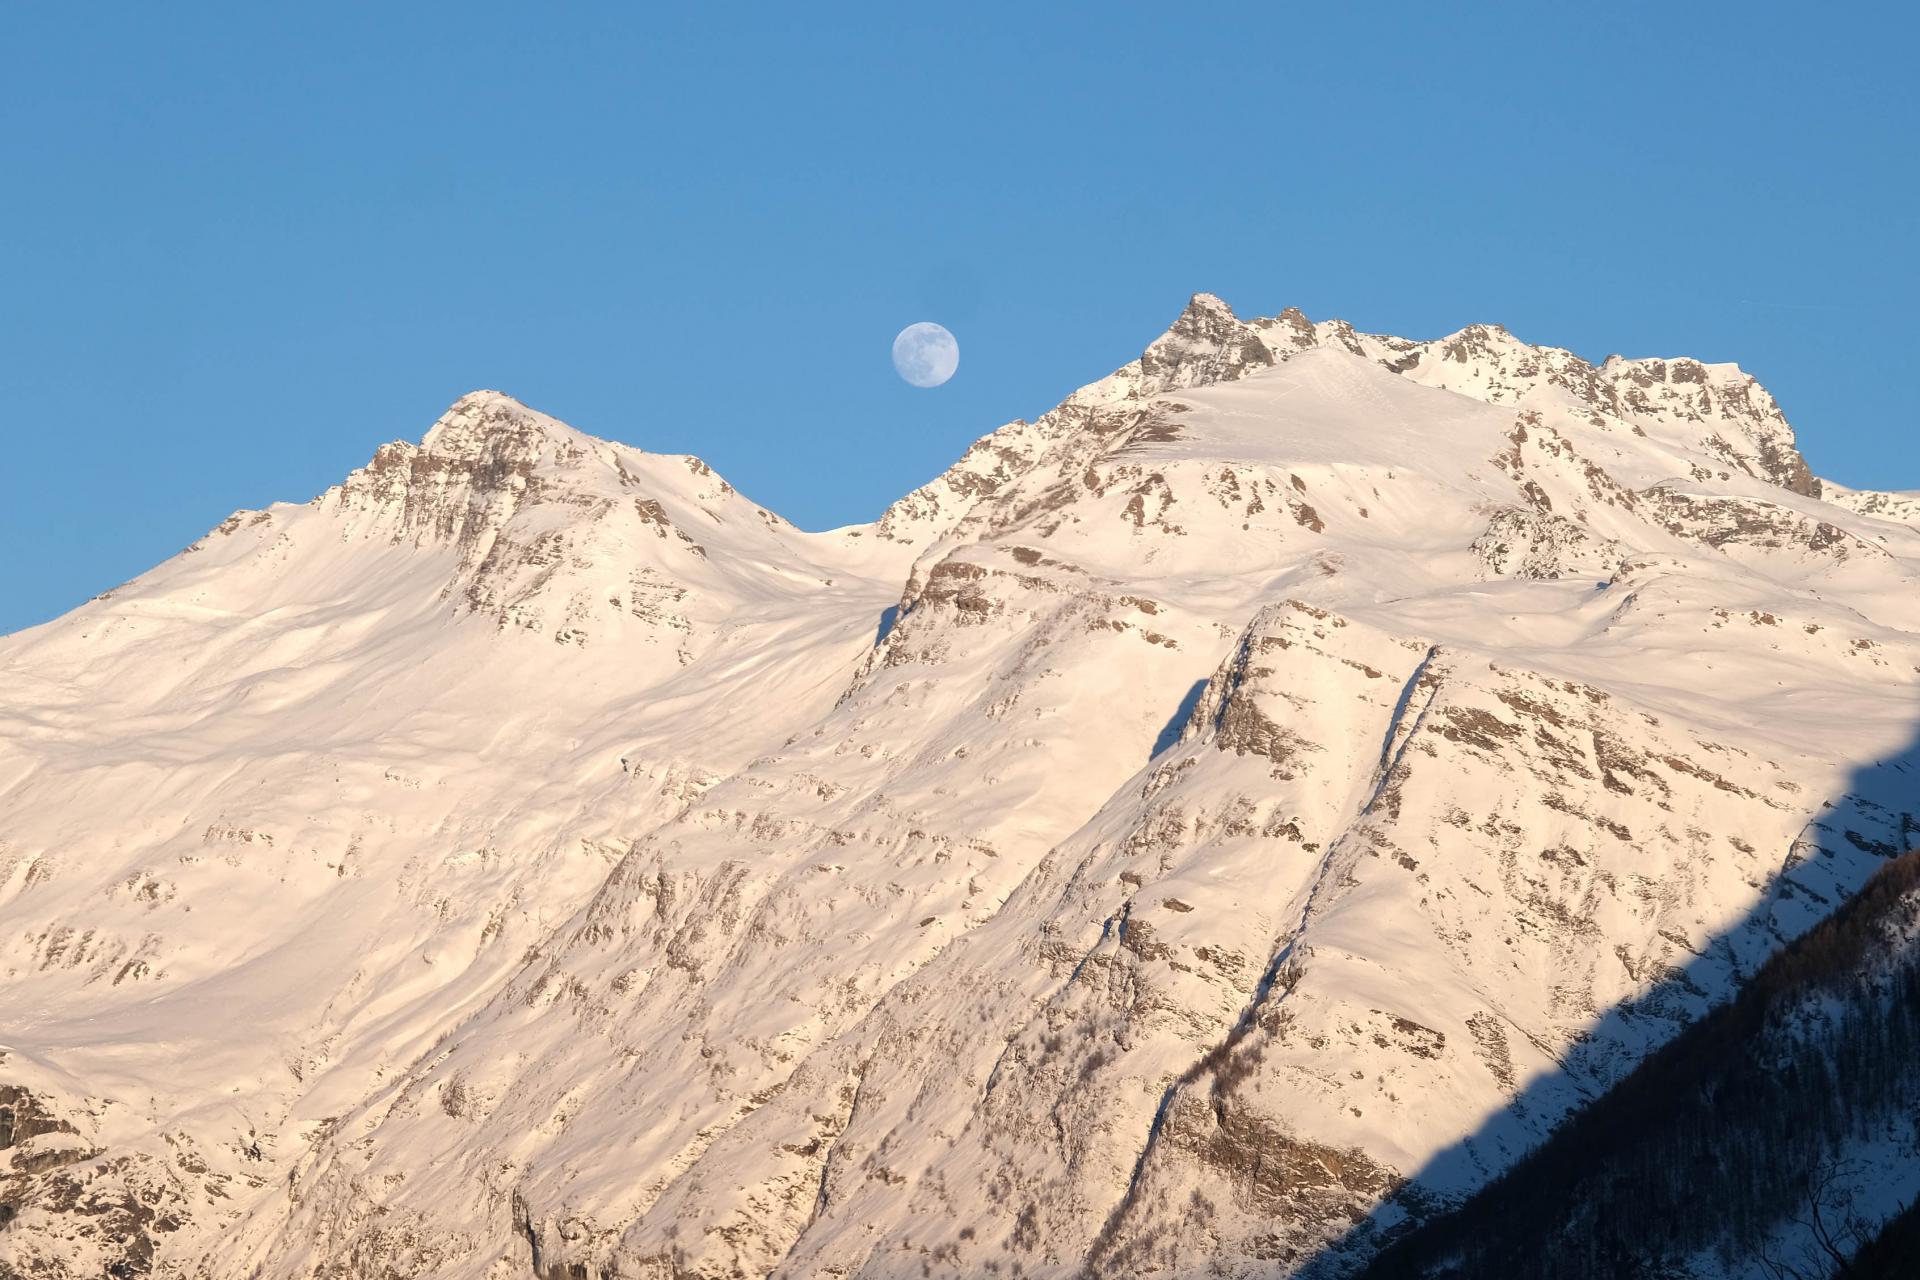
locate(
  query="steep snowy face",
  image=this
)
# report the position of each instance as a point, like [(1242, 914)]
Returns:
[(1268, 789)]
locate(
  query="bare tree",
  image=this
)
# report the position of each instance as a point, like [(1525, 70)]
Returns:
[(1833, 1231)]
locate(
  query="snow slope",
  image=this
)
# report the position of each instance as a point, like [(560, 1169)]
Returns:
[(1273, 786)]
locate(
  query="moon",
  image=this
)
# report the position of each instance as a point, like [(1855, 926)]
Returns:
[(925, 354)]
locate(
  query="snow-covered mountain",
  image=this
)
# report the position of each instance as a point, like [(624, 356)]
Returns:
[(1216, 823)]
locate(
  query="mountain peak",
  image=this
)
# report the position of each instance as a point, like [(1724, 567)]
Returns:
[(487, 396), (1204, 303), (1208, 343), (488, 421)]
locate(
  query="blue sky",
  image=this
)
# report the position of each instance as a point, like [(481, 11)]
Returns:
[(241, 245)]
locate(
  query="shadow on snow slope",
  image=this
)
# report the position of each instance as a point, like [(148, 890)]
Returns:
[(1855, 834)]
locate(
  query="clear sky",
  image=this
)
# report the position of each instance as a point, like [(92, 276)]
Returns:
[(241, 244)]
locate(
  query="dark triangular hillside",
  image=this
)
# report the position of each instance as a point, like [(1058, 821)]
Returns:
[(1739, 1140)]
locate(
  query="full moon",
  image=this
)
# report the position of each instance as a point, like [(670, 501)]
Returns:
[(925, 354)]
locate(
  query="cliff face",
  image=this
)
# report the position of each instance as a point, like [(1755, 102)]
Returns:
[(1264, 794)]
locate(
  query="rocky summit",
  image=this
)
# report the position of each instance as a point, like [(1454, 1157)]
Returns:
[(1214, 829)]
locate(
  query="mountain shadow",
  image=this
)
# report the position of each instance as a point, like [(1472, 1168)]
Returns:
[(1775, 1136), (1170, 733)]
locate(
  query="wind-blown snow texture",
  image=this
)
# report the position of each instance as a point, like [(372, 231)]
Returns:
[(1142, 851)]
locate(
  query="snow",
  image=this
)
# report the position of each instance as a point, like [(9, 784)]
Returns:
[(530, 839)]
